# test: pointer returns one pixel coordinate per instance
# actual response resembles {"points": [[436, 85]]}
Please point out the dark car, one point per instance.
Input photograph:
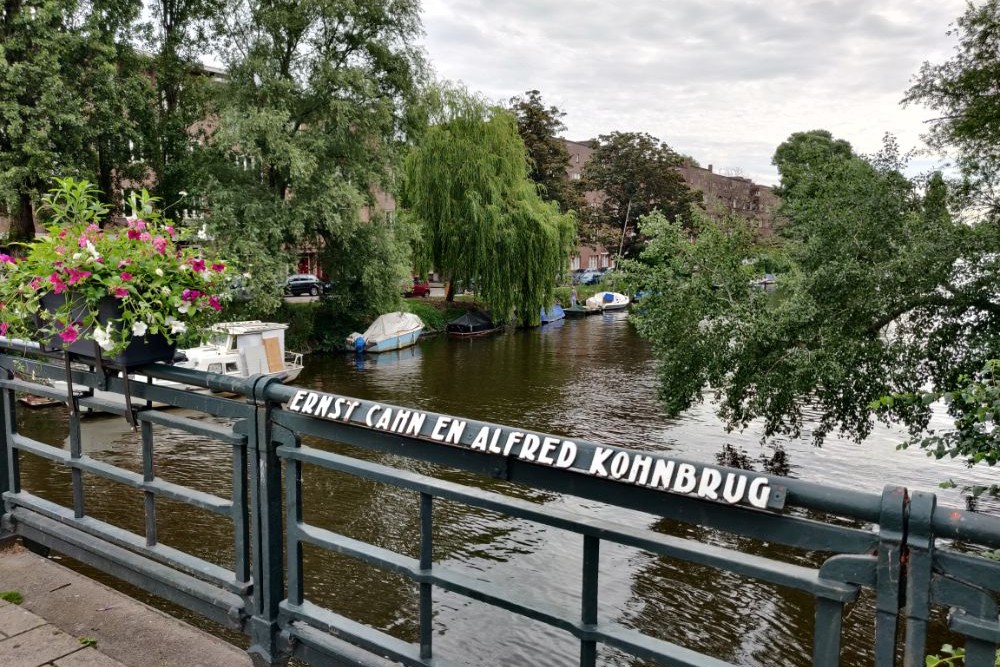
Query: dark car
{"points": [[420, 288], [305, 283], [590, 277]]}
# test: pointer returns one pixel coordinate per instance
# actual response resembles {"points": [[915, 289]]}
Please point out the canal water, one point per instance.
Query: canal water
{"points": [[592, 379]]}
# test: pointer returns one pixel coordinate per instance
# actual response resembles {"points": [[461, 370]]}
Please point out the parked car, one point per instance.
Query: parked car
{"points": [[305, 283], [420, 288], [590, 277]]}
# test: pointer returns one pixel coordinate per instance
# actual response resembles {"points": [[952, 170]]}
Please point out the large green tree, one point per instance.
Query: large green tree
{"points": [[886, 294], [71, 83], [175, 123], [467, 184], [538, 126], [317, 104], [634, 174], [963, 91]]}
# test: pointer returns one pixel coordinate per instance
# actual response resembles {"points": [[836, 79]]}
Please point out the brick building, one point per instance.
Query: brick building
{"points": [[722, 195]]}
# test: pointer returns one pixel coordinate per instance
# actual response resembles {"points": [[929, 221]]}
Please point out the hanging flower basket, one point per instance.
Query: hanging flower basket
{"points": [[140, 351], [115, 293]]}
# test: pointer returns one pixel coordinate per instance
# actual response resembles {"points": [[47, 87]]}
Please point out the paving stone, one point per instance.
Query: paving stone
{"points": [[88, 657], [37, 647], [14, 620]]}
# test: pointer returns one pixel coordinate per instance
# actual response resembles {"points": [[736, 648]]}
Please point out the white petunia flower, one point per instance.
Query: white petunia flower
{"points": [[103, 338], [159, 272], [184, 308], [178, 327], [92, 250], [165, 290], [139, 328]]}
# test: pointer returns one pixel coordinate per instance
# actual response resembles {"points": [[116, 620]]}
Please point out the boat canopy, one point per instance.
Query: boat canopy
{"points": [[392, 324], [472, 321]]}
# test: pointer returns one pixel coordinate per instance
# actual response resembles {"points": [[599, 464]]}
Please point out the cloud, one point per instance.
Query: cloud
{"points": [[724, 81]]}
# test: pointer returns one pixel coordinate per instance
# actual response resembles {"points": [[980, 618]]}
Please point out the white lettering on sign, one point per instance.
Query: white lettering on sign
{"points": [[647, 470]]}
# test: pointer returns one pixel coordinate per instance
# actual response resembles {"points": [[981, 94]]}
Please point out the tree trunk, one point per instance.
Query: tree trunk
{"points": [[22, 227]]}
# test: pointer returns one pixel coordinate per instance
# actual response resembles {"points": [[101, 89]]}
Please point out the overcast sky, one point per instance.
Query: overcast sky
{"points": [[725, 81]]}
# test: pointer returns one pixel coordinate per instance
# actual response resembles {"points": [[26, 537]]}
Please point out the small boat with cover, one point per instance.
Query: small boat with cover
{"points": [[392, 331], [608, 301], [552, 313], [473, 323]]}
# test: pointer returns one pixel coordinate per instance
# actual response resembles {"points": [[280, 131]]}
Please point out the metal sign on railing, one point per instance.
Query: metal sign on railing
{"points": [[648, 470]]}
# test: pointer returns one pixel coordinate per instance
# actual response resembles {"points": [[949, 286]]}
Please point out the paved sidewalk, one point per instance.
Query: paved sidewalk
{"points": [[27, 640], [68, 620]]}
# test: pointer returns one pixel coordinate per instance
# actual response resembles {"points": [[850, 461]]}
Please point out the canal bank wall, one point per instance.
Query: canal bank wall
{"points": [[68, 620]]}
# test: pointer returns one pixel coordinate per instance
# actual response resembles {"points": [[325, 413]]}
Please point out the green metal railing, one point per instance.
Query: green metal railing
{"points": [[898, 547]]}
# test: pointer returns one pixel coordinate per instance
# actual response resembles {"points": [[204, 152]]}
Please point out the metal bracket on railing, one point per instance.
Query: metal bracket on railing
{"points": [[889, 572], [918, 566]]}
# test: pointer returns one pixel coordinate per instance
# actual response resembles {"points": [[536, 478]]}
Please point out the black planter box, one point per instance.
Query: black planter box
{"points": [[140, 352]]}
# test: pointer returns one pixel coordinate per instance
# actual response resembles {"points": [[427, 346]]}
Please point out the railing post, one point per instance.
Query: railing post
{"points": [[889, 573], [8, 457], [267, 646], [919, 564]]}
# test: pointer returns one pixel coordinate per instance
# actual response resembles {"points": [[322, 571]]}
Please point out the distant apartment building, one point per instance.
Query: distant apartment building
{"points": [[722, 195]]}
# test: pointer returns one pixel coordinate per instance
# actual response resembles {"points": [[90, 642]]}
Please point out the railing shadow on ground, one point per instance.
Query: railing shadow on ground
{"points": [[898, 547]]}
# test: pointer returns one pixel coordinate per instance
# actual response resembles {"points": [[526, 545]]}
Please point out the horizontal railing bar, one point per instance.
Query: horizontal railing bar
{"points": [[315, 647], [665, 653], [218, 432], [775, 572], [956, 524], [976, 570], [862, 505], [42, 390], [443, 578], [161, 553], [198, 595], [160, 487], [355, 633], [775, 528]]}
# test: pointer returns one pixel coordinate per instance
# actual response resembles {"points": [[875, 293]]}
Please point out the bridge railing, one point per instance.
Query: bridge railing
{"points": [[910, 556]]}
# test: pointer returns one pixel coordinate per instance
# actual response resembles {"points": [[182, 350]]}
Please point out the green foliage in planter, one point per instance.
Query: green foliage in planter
{"points": [[154, 283]]}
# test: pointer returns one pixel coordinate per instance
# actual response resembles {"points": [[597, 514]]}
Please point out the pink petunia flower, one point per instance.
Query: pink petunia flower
{"points": [[218, 267], [160, 245], [213, 301], [3, 328], [122, 263], [120, 292], [69, 334], [126, 276], [6, 259], [198, 264], [76, 276], [134, 234], [57, 283], [190, 295], [35, 284]]}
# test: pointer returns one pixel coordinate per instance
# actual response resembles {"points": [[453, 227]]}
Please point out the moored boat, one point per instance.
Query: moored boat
{"points": [[552, 313], [608, 301], [473, 323], [392, 331]]}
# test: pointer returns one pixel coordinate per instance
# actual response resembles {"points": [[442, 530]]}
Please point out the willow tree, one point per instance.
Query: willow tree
{"points": [[466, 183]]}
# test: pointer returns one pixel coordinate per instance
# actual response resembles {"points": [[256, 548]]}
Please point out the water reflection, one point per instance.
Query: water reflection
{"points": [[589, 378]]}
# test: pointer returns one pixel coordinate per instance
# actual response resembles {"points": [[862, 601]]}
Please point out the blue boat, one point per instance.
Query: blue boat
{"points": [[392, 331], [553, 313]]}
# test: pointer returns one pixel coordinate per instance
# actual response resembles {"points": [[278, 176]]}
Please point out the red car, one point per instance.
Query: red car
{"points": [[420, 288]]}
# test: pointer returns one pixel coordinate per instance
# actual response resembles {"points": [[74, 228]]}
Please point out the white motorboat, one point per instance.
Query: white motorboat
{"points": [[608, 301], [238, 349], [243, 349]]}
